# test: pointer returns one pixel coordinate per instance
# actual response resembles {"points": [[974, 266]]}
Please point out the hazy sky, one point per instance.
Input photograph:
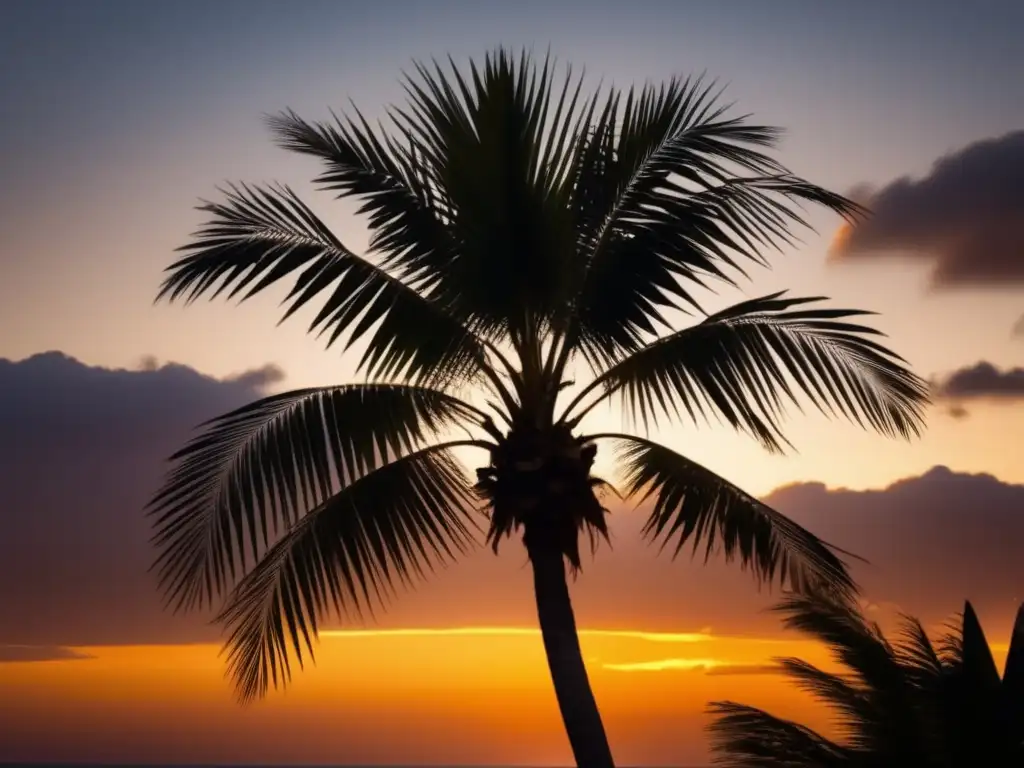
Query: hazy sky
{"points": [[118, 116]]}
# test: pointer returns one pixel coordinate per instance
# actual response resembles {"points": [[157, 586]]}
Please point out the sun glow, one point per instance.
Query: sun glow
{"points": [[393, 696]]}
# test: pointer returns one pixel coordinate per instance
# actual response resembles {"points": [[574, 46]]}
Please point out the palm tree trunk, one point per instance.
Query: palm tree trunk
{"points": [[565, 661]]}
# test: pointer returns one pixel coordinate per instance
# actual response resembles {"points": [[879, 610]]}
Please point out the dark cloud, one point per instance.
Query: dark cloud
{"points": [[966, 216], [931, 541], [259, 378], [21, 653], [981, 381], [81, 450]]}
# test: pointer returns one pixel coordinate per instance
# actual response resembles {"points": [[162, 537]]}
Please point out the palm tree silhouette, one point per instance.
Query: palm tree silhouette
{"points": [[520, 230], [907, 702]]}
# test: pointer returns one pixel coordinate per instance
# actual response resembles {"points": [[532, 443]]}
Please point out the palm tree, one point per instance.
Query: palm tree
{"points": [[520, 231], [907, 702]]}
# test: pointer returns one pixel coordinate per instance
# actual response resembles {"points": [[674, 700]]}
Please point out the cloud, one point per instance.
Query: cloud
{"points": [[957, 412], [981, 381], [259, 378], [661, 665], [81, 450], [745, 669], [966, 217], [21, 653], [707, 666], [1018, 328], [931, 541]]}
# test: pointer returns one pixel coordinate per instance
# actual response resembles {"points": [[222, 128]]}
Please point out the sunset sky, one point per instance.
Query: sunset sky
{"points": [[119, 116]]}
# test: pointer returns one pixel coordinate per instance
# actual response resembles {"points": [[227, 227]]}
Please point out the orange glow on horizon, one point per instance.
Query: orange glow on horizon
{"points": [[395, 696], [374, 690]]}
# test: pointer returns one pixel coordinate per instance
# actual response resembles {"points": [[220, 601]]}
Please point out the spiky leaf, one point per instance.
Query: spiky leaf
{"points": [[747, 362], [253, 472], [260, 236], [693, 505], [384, 530]]}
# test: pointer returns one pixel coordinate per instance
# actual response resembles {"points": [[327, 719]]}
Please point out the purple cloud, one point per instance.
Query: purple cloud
{"points": [[81, 450], [981, 381], [966, 217]]}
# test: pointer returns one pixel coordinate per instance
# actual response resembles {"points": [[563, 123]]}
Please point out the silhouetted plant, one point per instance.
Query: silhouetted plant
{"points": [[907, 702], [520, 230]]}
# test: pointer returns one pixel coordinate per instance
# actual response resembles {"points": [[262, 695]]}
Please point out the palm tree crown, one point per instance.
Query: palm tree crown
{"points": [[519, 228]]}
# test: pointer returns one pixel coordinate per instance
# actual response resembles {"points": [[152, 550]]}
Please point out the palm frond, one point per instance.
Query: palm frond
{"points": [[259, 236], [892, 720], [693, 504], [664, 197], [901, 703], [406, 212], [1013, 673], [837, 623], [385, 529], [747, 737], [742, 363], [494, 138], [868, 717], [253, 472], [917, 654], [848, 700]]}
